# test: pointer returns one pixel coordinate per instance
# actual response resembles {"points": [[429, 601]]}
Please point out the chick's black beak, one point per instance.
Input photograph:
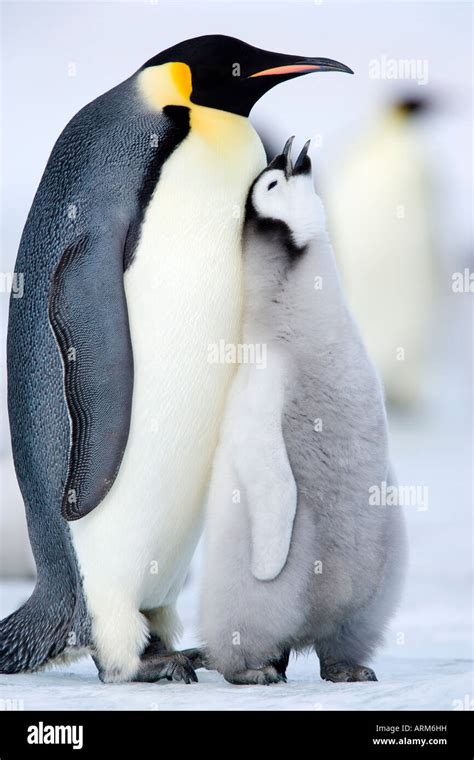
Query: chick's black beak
{"points": [[303, 162], [287, 155], [283, 160]]}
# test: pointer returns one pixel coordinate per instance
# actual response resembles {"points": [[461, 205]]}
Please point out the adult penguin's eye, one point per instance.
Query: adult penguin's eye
{"points": [[272, 184]]}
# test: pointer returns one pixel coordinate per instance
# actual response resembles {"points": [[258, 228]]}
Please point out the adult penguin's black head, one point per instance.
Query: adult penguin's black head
{"points": [[225, 73]]}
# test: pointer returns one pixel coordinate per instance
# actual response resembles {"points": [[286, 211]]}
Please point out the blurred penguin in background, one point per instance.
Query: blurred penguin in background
{"points": [[381, 211]]}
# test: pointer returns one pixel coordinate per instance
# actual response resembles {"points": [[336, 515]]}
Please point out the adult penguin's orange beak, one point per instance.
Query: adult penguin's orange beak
{"points": [[306, 66]]}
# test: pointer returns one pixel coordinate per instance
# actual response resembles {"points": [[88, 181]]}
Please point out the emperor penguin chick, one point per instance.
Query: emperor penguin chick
{"points": [[297, 555]]}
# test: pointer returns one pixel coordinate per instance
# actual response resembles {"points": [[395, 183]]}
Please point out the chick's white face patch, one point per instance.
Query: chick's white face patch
{"points": [[291, 200]]}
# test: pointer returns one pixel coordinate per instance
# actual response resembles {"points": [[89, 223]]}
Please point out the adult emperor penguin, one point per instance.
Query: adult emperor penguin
{"points": [[131, 260]]}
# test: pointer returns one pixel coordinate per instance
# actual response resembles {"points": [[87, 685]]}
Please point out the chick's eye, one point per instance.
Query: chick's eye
{"points": [[272, 184]]}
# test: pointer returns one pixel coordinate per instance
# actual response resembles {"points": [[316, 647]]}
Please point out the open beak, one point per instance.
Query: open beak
{"points": [[303, 66], [283, 160]]}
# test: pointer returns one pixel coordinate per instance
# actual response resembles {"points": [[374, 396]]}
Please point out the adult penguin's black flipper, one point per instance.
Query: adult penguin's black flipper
{"points": [[88, 315]]}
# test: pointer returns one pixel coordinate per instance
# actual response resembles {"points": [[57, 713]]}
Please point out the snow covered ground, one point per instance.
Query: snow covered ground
{"points": [[430, 671], [426, 663]]}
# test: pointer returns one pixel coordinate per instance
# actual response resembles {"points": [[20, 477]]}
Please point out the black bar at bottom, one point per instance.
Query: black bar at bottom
{"points": [[376, 734]]}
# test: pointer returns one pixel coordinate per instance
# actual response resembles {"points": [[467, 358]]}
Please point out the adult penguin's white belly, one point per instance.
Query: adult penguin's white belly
{"points": [[183, 293]]}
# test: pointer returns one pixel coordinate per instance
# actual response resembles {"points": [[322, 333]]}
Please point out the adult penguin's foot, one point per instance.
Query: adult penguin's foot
{"points": [[157, 663], [174, 666]]}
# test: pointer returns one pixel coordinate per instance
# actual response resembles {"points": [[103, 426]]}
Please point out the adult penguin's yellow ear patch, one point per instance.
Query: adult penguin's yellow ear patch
{"points": [[167, 85]]}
